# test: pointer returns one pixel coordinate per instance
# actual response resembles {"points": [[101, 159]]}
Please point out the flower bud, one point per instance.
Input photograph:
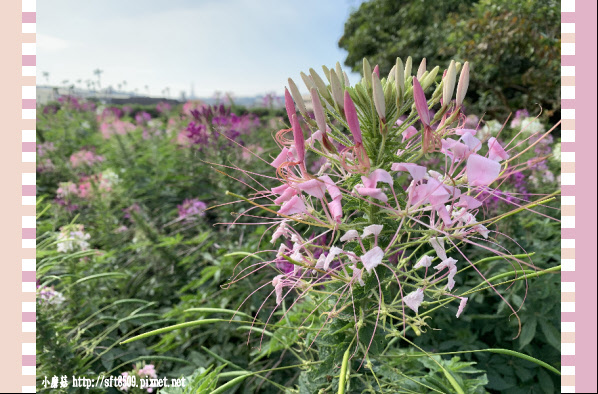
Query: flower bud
{"points": [[400, 81], [422, 69], [429, 78], [463, 84], [337, 90], [346, 78], [320, 85], [392, 74], [367, 72], [408, 65], [289, 105], [377, 71], [326, 72], [352, 119], [297, 96], [309, 83], [378, 94], [448, 83], [339, 73], [318, 110], [421, 105], [298, 138]]}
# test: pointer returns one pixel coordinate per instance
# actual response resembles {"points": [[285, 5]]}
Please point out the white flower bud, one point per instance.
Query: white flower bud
{"points": [[367, 72], [408, 65], [378, 94], [448, 84], [337, 90], [309, 83], [320, 85], [400, 81], [326, 72], [422, 69], [297, 96], [463, 84]]}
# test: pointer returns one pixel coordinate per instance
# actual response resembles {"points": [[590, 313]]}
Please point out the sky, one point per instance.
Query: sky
{"points": [[247, 47]]}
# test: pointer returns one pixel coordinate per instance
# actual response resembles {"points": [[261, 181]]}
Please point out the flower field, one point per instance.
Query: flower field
{"points": [[372, 236]]}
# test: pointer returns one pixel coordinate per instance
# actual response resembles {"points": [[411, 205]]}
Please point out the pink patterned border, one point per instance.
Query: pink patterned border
{"points": [[28, 199]]}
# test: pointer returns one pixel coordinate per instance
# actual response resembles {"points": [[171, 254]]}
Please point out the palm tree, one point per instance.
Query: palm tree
{"points": [[98, 73]]}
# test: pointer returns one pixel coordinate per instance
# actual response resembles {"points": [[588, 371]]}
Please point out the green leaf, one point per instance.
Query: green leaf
{"points": [[553, 336], [528, 332]]}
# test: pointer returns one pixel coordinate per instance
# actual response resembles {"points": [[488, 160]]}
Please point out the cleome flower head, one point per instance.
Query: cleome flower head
{"points": [[389, 221]]}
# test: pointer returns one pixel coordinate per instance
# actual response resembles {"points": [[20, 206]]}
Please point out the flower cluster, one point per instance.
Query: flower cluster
{"points": [[384, 215], [72, 238], [73, 103], [85, 158], [147, 371], [210, 122], [191, 209], [49, 296]]}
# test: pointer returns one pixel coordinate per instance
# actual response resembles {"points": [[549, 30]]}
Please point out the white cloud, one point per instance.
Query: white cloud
{"points": [[51, 44]]}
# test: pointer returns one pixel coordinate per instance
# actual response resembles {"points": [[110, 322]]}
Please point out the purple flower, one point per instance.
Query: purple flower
{"points": [[191, 207]]}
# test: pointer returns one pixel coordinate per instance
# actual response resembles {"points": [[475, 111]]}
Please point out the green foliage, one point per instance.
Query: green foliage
{"points": [[513, 46]]}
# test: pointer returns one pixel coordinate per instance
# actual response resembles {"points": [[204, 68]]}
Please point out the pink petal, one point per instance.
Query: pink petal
{"points": [[280, 189], [284, 156], [333, 190], [293, 206], [352, 119], [418, 194], [286, 195], [443, 213], [376, 176], [482, 230], [465, 131], [496, 152], [468, 202], [481, 171], [425, 261], [438, 245], [336, 210], [374, 229], [377, 70], [454, 149], [472, 142], [350, 236], [461, 306], [334, 251], [420, 102], [372, 258], [417, 172], [372, 192], [414, 299], [313, 187], [408, 132]]}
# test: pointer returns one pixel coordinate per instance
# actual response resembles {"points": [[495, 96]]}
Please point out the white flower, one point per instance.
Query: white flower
{"points": [[72, 238], [414, 299], [425, 261], [531, 126], [372, 258]]}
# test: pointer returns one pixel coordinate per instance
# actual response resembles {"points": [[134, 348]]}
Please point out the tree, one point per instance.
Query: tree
{"points": [[513, 46]]}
